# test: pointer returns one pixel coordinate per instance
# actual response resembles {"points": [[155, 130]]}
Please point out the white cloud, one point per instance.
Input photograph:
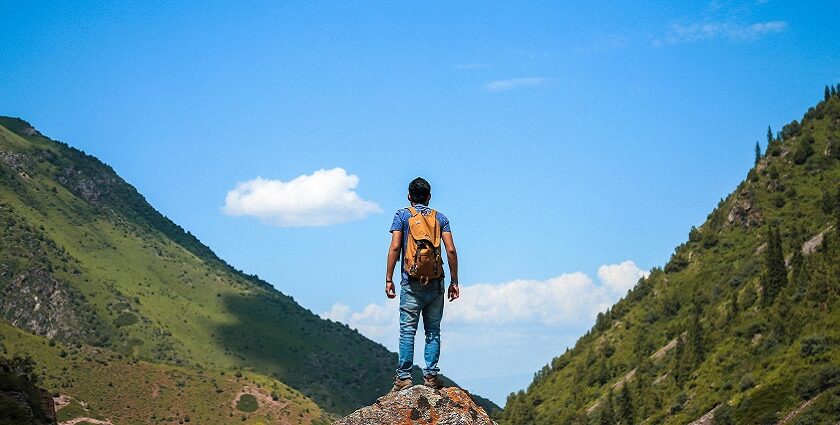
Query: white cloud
{"points": [[698, 31], [567, 298], [514, 83], [319, 199], [621, 277]]}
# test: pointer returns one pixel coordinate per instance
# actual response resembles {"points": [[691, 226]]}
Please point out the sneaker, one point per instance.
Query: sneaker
{"points": [[400, 384], [432, 381]]}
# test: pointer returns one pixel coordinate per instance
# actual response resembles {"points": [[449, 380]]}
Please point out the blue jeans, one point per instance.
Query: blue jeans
{"points": [[417, 300]]}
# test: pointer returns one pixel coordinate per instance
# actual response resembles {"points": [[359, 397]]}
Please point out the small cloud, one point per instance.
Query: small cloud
{"points": [[621, 277], [514, 83], [698, 31], [322, 198], [472, 66]]}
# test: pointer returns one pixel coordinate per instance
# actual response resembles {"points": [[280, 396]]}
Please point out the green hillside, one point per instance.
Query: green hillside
{"points": [[742, 324], [86, 262]]}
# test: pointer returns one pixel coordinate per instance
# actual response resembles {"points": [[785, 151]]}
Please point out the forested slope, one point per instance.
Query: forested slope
{"points": [[741, 325]]}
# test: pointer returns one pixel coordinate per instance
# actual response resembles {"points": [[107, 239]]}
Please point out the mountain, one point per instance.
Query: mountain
{"points": [[121, 304], [741, 326]]}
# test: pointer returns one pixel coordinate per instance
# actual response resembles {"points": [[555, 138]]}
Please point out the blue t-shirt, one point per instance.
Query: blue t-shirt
{"points": [[401, 223]]}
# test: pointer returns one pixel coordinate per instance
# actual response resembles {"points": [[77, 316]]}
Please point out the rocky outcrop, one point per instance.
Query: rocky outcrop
{"points": [[421, 405], [21, 408], [38, 302], [744, 213]]}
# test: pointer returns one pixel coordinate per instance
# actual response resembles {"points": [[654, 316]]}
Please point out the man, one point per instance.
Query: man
{"points": [[418, 296]]}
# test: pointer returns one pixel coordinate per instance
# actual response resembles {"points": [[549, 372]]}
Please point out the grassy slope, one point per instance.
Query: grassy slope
{"points": [[757, 360], [129, 391], [147, 289]]}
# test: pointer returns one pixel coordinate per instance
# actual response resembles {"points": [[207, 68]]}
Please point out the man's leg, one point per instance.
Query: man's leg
{"points": [[409, 317], [432, 315]]}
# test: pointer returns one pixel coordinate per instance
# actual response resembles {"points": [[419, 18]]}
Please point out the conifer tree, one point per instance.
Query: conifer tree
{"points": [[769, 135], [828, 92], [680, 362], [696, 343], [834, 91], [626, 413], [775, 277], [757, 152], [608, 411]]}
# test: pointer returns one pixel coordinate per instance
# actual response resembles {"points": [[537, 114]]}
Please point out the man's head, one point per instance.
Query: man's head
{"points": [[419, 191]]}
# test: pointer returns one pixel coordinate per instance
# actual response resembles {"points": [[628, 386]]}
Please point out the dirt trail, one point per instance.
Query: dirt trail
{"points": [[708, 418], [75, 421], [790, 416]]}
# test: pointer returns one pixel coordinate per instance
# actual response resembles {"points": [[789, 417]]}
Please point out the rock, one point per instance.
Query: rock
{"points": [[37, 301], [19, 407], [421, 405], [811, 245], [743, 212]]}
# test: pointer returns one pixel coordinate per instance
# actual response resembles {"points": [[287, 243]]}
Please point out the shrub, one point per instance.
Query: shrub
{"points": [[747, 382], [813, 345], [247, 403]]}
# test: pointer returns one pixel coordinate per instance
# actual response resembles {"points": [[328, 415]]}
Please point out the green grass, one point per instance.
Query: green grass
{"points": [[72, 410], [129, 391]]}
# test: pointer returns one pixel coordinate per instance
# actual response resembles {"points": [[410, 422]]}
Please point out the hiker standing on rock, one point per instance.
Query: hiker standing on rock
{"points": [[416, 233]]}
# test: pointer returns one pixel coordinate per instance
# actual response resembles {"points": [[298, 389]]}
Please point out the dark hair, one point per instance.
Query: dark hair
{"points": [[419, 190]]}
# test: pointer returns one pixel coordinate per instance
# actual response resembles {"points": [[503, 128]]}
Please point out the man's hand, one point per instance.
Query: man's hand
{"points": [[453, 292], [390, 292]]}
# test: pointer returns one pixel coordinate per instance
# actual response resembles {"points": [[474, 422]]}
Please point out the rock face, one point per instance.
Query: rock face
{"points": [[36, 301], [21, 408], [743, 212], [421, 405]]}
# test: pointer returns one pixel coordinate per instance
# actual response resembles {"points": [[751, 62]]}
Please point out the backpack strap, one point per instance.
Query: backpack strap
{"points": [[413, 211]]}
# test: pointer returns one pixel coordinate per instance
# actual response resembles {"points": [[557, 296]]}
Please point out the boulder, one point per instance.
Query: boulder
{"points": [[421, 405]]}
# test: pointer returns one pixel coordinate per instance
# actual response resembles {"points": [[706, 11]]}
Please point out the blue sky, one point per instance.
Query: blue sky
{"points": [[584, 135]]}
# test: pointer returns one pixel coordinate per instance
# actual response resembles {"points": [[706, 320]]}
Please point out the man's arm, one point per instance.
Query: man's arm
{"points": [[452, 260], [393, 256]]}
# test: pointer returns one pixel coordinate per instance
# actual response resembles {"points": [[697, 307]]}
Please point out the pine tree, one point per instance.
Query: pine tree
{"points": [[680, 362], [757, 152], [625, 406], [608, 411], [696, 343], [828, 92], [769, 135], [834, 91], [775, 277]]}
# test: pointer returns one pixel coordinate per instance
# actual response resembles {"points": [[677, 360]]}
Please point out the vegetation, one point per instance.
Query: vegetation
{"points": [[744, 320], [247, 403]]}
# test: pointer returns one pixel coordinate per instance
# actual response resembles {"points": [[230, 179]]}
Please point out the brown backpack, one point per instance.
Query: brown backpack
{"points": [[422, 252]]}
